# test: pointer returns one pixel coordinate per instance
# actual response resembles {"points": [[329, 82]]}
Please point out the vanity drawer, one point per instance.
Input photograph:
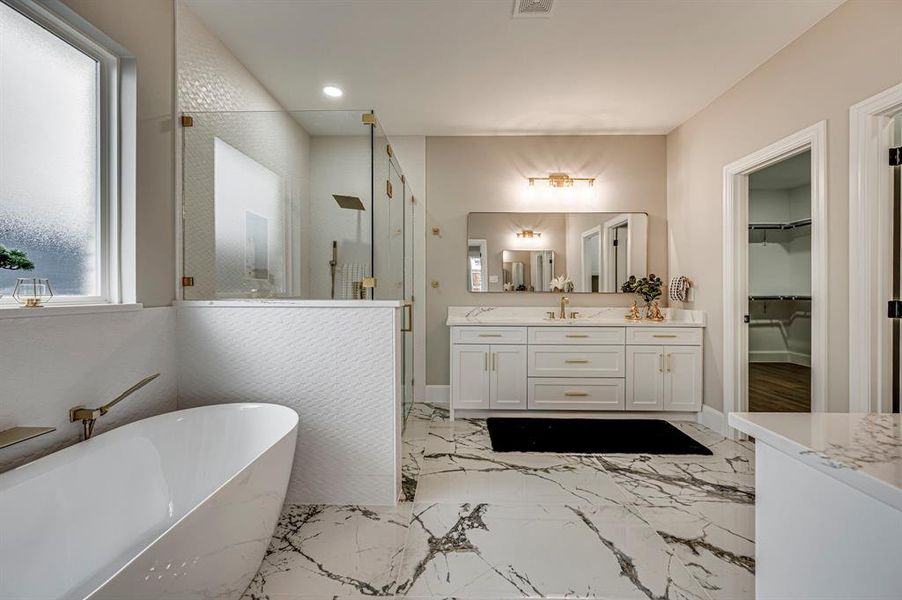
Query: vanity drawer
{"points": [[576, 361], [664, 336], [577, 335], [488, 335], [551, 393]]}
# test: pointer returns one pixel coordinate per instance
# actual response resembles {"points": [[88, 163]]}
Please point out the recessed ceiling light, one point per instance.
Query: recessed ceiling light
{"points": [[332, 91]]}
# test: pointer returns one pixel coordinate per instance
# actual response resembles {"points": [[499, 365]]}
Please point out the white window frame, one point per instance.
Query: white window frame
{"points": [[117, 149]]}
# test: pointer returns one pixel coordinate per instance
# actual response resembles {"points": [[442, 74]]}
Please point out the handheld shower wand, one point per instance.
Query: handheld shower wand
{"points": [[332, 264]]}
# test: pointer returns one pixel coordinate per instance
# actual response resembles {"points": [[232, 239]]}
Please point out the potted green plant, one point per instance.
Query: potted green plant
{"points": [[649, 289], [14, 260]]}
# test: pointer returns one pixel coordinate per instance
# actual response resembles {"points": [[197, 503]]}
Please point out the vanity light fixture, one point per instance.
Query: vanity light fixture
{"points": [[528, 233], [560, 180], [332, 91]]}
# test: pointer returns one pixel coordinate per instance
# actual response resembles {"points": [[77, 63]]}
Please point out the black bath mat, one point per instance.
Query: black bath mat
{"points": [[591, 436]]}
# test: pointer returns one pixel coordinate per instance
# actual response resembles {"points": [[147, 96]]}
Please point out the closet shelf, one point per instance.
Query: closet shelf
{"points": [[789, 225], [786, 297]]}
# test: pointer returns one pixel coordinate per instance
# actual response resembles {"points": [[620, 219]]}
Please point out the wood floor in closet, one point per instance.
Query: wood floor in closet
{"points": [[779, 387]]}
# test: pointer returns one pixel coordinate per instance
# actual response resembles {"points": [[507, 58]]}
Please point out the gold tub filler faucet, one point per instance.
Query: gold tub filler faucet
{"points": [[89, 416]]}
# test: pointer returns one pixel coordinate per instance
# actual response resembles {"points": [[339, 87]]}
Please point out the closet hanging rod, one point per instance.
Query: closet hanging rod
{"points": [[764, 298], [789, 225]]}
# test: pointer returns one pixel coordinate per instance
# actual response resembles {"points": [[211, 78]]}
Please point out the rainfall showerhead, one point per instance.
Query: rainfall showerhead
{"points": [[349, 202]]}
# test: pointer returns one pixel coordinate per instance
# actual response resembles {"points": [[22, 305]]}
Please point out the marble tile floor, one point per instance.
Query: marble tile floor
{"points": [[480, 525]]}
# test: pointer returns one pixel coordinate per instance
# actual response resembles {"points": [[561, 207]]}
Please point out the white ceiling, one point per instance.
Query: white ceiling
{"points": [[785, 175], [466, 67]]}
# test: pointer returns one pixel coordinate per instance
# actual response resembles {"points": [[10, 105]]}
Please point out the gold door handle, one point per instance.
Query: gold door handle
{"points": [[576, 335], [576, 394], [664, 335], [580, 361], [409, 315]]}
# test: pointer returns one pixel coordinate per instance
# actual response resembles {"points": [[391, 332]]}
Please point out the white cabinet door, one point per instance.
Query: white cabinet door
{"points": [[683, 378], [644, 378], [508, 377], [470, 376]]}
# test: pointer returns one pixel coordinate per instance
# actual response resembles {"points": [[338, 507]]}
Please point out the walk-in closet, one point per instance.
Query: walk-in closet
{"points": [[779, 262]]}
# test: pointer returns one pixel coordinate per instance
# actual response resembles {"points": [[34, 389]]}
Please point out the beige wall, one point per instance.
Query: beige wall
{"points": [[851, 55], [470, 174], [147, 29]]}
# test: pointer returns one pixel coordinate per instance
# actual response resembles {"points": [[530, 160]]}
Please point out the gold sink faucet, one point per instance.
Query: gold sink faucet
{"points": [[564, 302], [89, 416]]}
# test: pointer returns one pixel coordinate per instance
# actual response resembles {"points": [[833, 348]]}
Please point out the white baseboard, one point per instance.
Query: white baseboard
{"points": [[780, 356], [438, 394], [712, 419]]}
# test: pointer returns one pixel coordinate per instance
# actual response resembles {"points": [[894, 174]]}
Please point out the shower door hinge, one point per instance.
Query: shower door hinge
{"points": [[187, 281], [368, 283], [746, 319], [388, 149], [895, 156], [894, 309], [187, 121], [368, 119], [388, 191]]}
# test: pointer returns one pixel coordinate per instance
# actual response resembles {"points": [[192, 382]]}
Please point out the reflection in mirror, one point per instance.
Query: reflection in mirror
{"points": [[555, 252]]}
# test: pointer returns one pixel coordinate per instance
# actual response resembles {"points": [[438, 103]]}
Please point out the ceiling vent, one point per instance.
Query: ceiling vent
{"points": [[524, 9]]}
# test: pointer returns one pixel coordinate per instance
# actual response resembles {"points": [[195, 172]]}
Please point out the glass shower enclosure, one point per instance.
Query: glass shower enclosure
{"points": [[296, 205]]}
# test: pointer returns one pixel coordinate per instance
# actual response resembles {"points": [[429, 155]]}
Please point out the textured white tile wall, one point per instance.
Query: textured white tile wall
{"points": [[50, 363], [337, 367]]}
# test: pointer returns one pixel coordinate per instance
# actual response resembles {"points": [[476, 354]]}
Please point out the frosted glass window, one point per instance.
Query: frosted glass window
{"points": [[49, 157]]}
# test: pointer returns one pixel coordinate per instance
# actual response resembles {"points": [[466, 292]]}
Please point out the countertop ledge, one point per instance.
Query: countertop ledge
{"points": [[524, 316], [863, 450], [288, 303]]}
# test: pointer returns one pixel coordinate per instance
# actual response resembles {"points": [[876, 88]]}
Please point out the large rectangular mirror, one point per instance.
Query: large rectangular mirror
{"points": [[555, 252]]}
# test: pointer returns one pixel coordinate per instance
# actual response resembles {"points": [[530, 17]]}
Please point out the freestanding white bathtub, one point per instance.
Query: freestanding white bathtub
{"points": [[181, 505]]}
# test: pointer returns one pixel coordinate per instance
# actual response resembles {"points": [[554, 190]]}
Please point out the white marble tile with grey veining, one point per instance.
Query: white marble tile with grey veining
{"points": [[326, 551], [484, 550], [715, 542]]}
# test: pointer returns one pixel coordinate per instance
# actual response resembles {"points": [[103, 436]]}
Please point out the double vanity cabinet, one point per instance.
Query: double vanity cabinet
{"points": [[521, 359]]}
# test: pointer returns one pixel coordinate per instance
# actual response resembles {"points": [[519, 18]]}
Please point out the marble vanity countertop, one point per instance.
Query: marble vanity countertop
{"points": [[588, 317], [863, 450]]}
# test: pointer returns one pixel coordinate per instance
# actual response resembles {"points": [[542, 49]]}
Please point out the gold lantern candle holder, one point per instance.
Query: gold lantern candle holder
{"points": [[32, 292]]}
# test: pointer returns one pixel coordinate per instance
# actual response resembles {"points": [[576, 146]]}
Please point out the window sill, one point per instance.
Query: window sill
{"points": [[63, 310]]}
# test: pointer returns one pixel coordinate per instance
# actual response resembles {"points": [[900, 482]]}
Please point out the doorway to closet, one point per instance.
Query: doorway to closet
{"points": [[775, 277], [779, 285]]}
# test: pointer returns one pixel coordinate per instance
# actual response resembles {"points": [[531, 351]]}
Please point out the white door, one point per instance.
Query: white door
{"points": [[683, 378], [644, 378], [470, 376], [508, 377]]}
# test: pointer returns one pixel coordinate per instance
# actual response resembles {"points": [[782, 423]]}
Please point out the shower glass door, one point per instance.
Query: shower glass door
{"points": [[408, 298]]}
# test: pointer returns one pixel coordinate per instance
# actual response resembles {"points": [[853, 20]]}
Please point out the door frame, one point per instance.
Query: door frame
{"points": [[483, 261], [735, 265], [870, 251], [586, 274]]}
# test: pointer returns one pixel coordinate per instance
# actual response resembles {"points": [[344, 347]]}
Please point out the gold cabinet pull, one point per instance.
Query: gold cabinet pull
{"points": [[489, 335], [485, 362], [576, 393], [576, 361], [667, 357], [494, 361], [576, 335], [660, 363], [664, 335]]}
